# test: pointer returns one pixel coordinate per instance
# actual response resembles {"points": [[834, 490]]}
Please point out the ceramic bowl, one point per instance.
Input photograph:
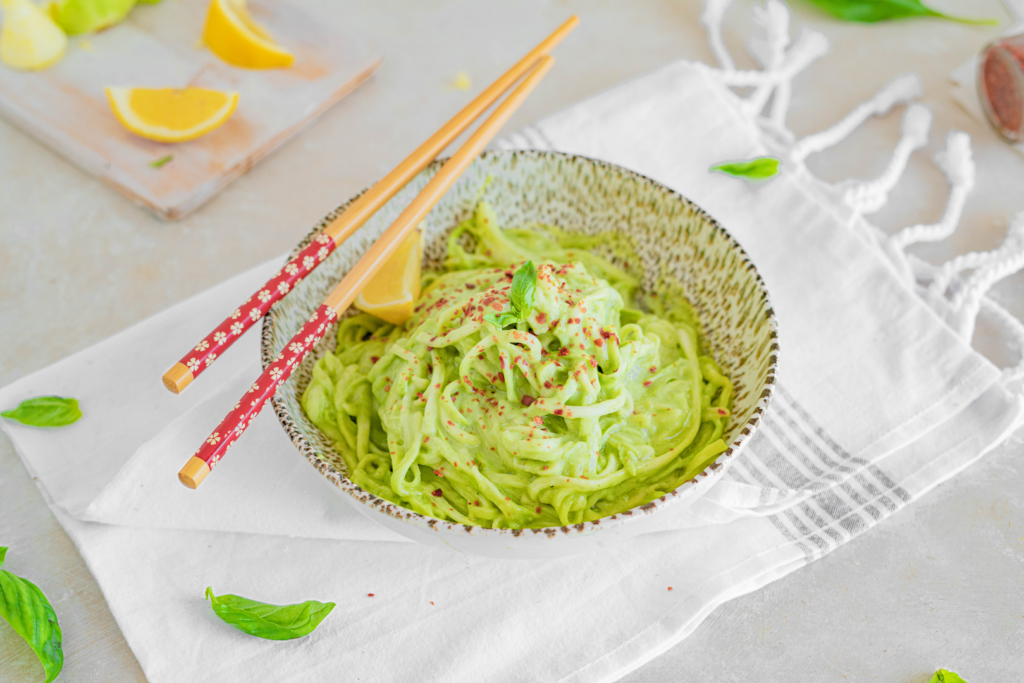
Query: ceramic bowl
{"points": [[675, 243]]}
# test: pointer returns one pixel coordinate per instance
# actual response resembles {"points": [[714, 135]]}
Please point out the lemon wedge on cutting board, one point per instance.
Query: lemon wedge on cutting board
{"points": [[171, 114], [393, 291], [30, 39], [234, 36]]}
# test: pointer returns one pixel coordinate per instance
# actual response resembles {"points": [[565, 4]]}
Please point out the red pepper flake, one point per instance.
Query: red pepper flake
{"points": [[558, 411], [647, 383], [547, 384], [654, 369], [456, 463], [564, 351], [438, 473], [431, 602], [437, 493], [544, 468], [541, 317], [374, 359], [538, 420], [476, 502], [670, 587], [723, 412], [370, 595], [426, 439], [469, 285], [528, 400], [538, 510], [599, 342]]}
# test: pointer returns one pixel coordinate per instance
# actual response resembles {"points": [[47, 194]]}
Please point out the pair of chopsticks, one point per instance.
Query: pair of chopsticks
{"points": [[224, 335], [534, 66]]}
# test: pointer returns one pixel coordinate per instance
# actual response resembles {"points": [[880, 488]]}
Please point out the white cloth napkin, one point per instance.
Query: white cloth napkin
{"points": [[880, 402]]}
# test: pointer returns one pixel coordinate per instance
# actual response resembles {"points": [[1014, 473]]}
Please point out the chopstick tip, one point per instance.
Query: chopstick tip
{"points": [[177, 378], [193, 473]]}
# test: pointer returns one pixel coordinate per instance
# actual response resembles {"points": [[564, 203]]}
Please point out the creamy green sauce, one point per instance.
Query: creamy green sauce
{"points": [[588, 407]]}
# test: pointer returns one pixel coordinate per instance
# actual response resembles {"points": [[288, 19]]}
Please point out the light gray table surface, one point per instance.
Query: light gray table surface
{"points": [[939, 584]]}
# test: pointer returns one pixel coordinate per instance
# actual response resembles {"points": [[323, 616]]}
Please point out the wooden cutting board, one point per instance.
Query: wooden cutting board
{"points": [[159, 46]]}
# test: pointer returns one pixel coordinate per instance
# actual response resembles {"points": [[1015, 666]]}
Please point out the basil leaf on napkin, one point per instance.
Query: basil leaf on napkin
{"points": [[45, 411], [26, 609], [273, 622], [882, 10], [524, 287], [944, 676], [761, 168]]}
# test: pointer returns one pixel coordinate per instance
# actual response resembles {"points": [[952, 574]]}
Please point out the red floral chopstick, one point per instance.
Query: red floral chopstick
{"points": [[256, 306]]}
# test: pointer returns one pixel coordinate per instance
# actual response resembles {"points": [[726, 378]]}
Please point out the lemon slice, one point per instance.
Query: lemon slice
{"points": [[393, 291], [170, 114], [30, 39], [235, 37]]}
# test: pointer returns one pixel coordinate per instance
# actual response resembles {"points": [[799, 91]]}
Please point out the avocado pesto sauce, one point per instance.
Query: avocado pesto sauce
{"points": [[584, 407]]}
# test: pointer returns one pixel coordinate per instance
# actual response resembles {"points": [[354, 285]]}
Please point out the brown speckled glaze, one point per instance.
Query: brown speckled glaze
{"points": [[677, 246]]}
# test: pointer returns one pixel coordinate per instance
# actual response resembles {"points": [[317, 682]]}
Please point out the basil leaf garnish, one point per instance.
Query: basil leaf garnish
{"points": [[273, 622], [520, 297], [883, 10], [524, 286], [26, 609], [755, 169], [45, 411]]}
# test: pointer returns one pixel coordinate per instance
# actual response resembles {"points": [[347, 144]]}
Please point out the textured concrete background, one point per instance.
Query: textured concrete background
{"points": [[939, 584]]}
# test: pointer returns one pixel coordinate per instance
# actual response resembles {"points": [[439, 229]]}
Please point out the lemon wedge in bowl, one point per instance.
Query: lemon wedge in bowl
{"points": [[171, 114], [393, 291], [234, 36], [30, 39]]}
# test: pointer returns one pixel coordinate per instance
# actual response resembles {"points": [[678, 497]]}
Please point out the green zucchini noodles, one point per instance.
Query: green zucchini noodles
{"points": [[601, 400]]}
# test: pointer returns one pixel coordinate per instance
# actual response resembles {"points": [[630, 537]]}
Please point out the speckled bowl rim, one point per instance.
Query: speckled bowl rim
{"points": [[704, 477]]}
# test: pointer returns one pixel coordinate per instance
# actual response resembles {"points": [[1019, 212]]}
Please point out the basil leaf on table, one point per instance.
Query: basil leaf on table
{"points": [[761, 168], [870, 11], [273, 622], [944, 676], [45, 411], [26, 609]]}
